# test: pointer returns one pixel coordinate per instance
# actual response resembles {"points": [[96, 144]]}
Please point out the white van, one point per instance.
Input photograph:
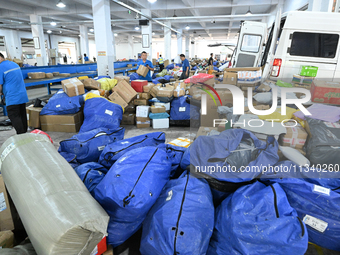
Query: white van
{"points": [[301, 38]]}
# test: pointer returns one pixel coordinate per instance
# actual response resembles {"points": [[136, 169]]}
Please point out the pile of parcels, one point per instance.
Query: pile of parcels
{"points": [[143, 103], [43, 75]]}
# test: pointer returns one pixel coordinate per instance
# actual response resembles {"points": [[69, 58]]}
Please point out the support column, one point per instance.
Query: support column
{"points": [[103, 36], [320, 5], [147, 30], [130, 47], [84, 42], [13, 44], [167, 41], [187, 46], [38, 32], [179, 42], [114, 46]]}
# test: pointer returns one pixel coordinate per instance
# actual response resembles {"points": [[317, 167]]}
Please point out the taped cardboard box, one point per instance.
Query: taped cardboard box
{"points": [[129, 119], [6, 220], [117, 99], [158, 109], [203, 131], [143, 95], [247, 75], [48, 75], [153, 91], [179, 89], [148, 87], [141, 102], [295, 137], [69, 123], [36, 75], [230, 78], [73, 87], [125, 78], [142, 111], [125, 91], [64, 74], [55, 73], [166, 91], [90, 84], [129, 65], [142, 70], [6, 239], [33, 116], [142, 122], [326, 92]]}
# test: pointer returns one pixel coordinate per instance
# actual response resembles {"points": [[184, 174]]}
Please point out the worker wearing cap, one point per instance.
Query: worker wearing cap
{"points": [[161, 63], [148, 64], [12, 87], [185, 67]]}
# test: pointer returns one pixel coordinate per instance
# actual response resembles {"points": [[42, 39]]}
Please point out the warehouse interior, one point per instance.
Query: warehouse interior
{"points": [[158, 127]]}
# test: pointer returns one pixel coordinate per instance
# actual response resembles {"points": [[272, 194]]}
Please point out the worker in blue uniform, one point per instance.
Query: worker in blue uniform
{"points": [[13, 89], [185, 67], [148, 64], [86, 58]]}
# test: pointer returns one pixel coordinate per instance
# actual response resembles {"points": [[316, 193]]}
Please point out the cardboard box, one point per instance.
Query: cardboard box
{"points": [[179, 89], [6, 220], [33, 116], [117, 99], [143, 95], [64, 74], [131, 108], [129, 65], [153, 91], [160, 123], [295, 137], [166, 105], [142, 119], [310, 71], [263, 88], [69, 123], [73, 87], [18, 62], [141, 102], [158, 109], [148, 87], [55, 73], [247, 75], [6, 239], [142, 70], [91, 84], [230, 78], [128, 119], [166, 91], [303, 80], [36, 75], [125, 91], [325, 92], [142, 111], [181, 142], [154, 62], [166, 63], [203, 131], [142, 122], [227, 100], [48, 75], [125, 78]]}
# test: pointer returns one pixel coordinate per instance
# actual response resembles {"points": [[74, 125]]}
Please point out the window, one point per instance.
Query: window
{"points": [[314, 45], [251, 43]]}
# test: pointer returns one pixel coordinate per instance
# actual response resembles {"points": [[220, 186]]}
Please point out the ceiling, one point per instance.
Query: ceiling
{"points": [[217, 19]]}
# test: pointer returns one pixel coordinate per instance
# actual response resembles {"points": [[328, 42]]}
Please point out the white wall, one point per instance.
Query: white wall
{"points": [[122, 50]]}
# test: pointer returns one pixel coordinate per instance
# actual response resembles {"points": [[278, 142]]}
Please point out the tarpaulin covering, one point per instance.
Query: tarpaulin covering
{"points": [[257, 219], [181, 110], [100, 112], [60, 103], [91, 174], [130, 188], [58, 213], [89, 145], [318, 207], [114, 151], [182, 219]]}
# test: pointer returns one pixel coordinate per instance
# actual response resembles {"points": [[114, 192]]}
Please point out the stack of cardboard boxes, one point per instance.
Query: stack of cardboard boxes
{"points": [[122, 94], [305, 78], [142, 116]]}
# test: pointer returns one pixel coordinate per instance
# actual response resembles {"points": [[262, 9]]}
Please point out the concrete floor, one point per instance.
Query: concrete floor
{"points": [[130, 131]]}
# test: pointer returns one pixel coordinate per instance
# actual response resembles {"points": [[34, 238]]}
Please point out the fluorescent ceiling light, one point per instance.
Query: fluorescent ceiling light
{"points": [[136, 28], [53, 23], [79, 35], [49, 31], [60, 4], [60, 32], [153, 33], [115, 34], [152, 1], [91, 30], [187, 27]]}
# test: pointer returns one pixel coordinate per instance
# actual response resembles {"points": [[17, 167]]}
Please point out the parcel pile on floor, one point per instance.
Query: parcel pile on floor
{"points": [[233, 190]]}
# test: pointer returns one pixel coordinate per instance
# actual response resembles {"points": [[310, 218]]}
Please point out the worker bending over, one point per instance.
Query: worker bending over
{"points": [[148, 64]]}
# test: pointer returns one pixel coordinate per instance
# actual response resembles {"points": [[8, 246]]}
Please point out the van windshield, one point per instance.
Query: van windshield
{"points": [[314, 45], [251, 43]]}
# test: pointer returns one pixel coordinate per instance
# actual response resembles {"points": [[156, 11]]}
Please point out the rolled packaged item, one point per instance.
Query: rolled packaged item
{"points": [[59, 214]]}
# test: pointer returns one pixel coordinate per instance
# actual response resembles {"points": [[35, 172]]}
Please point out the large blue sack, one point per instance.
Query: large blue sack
{"points": [[113, 152], [319, 208], [182, 219], [130, 188], [257, 219], [60, 103], [175, 154], [91, 174], [89, 145], [181, 110], [170, 67], [134, 76], [234, 156], [100, 112], [71, 158]]}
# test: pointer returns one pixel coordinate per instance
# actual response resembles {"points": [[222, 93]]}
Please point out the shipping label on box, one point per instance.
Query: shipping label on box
{"points": [[325, 92], [117, 99], [6, 220], [142, 70]]}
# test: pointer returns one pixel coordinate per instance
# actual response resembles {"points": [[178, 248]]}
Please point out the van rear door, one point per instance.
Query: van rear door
{"points": [[250, 44]]}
